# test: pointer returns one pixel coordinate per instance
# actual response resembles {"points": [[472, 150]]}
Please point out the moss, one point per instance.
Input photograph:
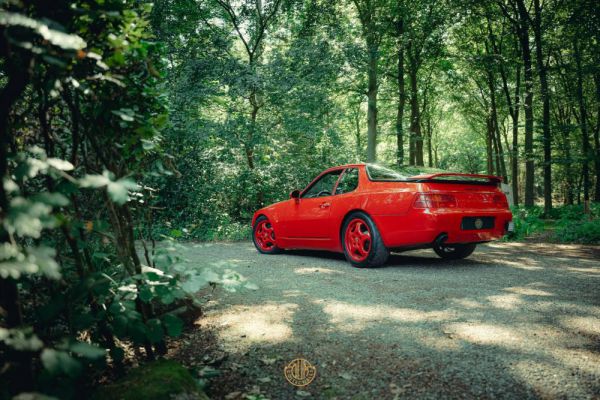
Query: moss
{"points": [[157, 380]]}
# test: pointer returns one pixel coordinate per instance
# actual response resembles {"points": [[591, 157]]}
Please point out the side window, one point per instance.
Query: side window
{"points": [[324, 186], [348, 182]]}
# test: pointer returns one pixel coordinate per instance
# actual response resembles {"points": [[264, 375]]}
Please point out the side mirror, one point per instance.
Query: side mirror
{"points": [[295, 195]]}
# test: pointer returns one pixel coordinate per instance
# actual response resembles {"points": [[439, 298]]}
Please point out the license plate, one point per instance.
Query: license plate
{"points": [[476, 223]]}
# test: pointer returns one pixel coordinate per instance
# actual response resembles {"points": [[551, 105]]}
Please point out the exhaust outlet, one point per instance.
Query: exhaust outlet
{"points": [[439, 241]]}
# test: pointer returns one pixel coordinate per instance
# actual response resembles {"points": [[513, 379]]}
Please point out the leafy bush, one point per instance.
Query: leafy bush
{"points": [[154, 381], [578, 231], [574, 226], [527, 221], [76, 181]]}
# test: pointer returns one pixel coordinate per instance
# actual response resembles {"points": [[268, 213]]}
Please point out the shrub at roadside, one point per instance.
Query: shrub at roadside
{"points": [[576, 227]]}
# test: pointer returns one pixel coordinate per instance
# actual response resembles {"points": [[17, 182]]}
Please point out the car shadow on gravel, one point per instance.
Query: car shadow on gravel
{"points": [[396, 259], [502, 324]]}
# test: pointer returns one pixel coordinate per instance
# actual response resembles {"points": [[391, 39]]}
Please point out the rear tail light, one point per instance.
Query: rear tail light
{"points": [[434, 200], [500, 200]]}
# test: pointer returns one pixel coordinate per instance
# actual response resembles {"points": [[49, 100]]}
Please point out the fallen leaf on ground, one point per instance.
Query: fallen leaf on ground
{"points": [[268, 361], [345, 375]]}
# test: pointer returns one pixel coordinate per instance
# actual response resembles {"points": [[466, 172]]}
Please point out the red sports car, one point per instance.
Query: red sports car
{"points": [[366, 210]]}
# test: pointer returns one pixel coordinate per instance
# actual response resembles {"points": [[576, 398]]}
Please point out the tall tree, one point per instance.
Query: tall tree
{"points": [[583, 120], [517, 13], [251, 23], [423, 27], [505, 61], [399, 25], [542, 69], [371, 15]]}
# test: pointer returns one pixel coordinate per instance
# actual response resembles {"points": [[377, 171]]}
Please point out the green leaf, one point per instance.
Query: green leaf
{"points": [[173, 325], [57, 362], [119, 190], [59, 164], [21, 339], [52, 199], [14, 263], [95, 181], [27, 218], [145, 293], [126, 115], [87, 350], [176, 233], [55, 37], [155, 331]]}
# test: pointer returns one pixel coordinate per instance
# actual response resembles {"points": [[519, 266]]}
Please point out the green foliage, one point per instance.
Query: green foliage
{"points": [[527, 221], [573, 231], [154, 381], [83, 150], [568, 224], [574, 226]]}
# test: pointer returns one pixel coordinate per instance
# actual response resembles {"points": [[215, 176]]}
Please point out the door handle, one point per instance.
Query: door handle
{"points": [[325, 205]]}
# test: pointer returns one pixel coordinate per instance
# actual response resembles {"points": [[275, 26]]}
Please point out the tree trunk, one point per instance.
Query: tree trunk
{"points": [[523, 32], [500, 165], [416, 139], [359, 150], [515, 140], [585, 172], [513, 109], [597, 138], [547, 138], [18, 77], [495, 152], [20, 372], [372, 98], [429, 145], [401, 96], [488, 141]]}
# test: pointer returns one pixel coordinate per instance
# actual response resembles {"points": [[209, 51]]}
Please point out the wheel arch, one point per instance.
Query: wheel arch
{"points": [[345, 218], [257, 216]]}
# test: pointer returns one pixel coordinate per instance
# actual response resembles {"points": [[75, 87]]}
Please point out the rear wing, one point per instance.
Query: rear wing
{"points": [[458, 178]]}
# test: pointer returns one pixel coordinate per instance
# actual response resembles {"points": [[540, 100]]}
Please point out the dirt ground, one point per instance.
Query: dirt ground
{"points": [[515, 320]]}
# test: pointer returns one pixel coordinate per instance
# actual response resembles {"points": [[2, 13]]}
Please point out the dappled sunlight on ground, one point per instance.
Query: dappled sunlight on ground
{"points": [[511, 319], [268, 323], [486, 334], [590, 270], [587, 324], [527, 291], [305, 271], [352, 317], [506, 301], [527, 264]]}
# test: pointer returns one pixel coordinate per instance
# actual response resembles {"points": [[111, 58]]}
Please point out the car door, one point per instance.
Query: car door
{"points": [[308, 221]]}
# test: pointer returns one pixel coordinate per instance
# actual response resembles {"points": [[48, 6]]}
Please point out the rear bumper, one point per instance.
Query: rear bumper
{"points": [[420, 227]]}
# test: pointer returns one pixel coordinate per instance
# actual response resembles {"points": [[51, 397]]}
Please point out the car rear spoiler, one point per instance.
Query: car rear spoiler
{"points": [[470, 179]]}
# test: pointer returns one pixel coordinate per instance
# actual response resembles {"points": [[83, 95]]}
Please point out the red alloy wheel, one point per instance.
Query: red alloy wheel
{"points": [[264, 234], [358, 240]]}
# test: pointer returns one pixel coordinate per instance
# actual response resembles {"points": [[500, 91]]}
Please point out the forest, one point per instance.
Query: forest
{"points": [[125, 125]]}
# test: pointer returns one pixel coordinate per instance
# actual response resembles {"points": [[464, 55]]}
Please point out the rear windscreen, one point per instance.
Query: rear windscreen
{"points": [[379, 173]]}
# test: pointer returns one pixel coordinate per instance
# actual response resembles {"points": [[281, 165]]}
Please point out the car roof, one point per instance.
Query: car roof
{"points": [[346, 166]]}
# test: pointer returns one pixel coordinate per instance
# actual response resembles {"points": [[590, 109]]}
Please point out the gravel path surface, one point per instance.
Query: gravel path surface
{"points": [[515, 320]]}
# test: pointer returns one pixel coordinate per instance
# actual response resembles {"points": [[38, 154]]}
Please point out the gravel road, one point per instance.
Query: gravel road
{"points": [[515, 320]]}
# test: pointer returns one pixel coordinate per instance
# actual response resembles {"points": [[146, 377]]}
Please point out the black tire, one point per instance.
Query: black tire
{"points": [[454, 251], [378, 253], [274, 249]]}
